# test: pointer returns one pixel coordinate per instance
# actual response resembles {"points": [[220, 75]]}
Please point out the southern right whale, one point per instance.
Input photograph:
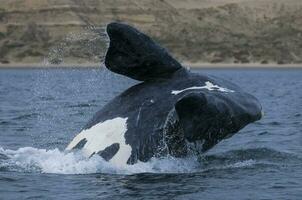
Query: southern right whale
{"points": [[169, 112]]}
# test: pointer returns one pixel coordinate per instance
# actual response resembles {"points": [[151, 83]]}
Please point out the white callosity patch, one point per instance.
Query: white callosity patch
{"points": [[209, 86], [103, 135]]}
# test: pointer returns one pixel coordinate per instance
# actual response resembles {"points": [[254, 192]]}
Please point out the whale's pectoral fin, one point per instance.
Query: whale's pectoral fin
{"points": [[211, 118], [134, 54]]}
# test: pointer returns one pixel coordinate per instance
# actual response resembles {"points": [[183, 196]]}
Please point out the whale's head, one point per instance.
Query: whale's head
{"points": [[136, 55], [212, 117]]}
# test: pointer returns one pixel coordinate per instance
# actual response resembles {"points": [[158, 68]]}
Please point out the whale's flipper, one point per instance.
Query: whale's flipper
{"points": [[134, 54], [213, 117]]}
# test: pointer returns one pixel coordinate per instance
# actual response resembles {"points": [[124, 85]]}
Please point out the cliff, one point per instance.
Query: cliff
{"points": [[210, 31]]}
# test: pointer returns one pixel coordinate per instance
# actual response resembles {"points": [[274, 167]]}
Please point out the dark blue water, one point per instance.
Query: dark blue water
{"points": [[41, 110]]}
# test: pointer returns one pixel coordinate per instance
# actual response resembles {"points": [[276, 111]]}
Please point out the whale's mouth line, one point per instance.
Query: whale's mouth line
{"points": [[208, 85]]}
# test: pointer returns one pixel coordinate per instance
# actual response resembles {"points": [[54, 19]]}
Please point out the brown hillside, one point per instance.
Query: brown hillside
{"points": [[216, 31]]}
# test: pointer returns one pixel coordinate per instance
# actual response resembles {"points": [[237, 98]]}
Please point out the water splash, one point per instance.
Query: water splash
{"points": [[34, 160], [87, 46], [29, 159]]}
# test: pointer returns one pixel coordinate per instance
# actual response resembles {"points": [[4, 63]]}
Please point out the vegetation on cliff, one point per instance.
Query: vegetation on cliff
{"points": [[216, 31]]}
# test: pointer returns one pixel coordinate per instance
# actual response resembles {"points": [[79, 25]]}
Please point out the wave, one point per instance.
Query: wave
{"points": [[82, 105], [26, 116], [258, 158], [29, 159], [7, 123], [253, 154], [33, 160]]}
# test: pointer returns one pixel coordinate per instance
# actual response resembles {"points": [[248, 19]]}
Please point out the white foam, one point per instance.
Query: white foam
{"points": [[239, 164], [242, 164], [208, 85], [29, 159], [103, 135]]}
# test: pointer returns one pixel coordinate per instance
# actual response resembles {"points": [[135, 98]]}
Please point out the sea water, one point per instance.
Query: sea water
{"points": [[41, 110]]}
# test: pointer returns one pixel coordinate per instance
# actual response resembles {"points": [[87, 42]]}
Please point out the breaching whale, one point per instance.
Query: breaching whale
{"points": [[172, 111]]}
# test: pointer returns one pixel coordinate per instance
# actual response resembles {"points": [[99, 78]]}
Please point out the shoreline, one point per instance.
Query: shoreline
{"points": [[186, 64]]}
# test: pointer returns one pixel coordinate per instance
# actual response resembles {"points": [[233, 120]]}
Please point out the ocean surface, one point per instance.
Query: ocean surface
{"points": [[41, 110]]}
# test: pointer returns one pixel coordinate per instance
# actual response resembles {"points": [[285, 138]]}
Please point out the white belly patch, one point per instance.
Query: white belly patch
{"points": [[102, 135], [209, 86]]}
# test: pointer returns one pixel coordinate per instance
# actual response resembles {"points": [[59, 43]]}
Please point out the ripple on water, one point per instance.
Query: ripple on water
{"points": [[25, 116], [266, 167]]}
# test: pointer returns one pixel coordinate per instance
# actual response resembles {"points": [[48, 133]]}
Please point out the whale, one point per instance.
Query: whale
{"points": [[170, 112]]}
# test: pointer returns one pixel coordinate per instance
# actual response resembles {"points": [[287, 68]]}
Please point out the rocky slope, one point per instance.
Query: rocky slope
{"points": [[210, 31]]}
